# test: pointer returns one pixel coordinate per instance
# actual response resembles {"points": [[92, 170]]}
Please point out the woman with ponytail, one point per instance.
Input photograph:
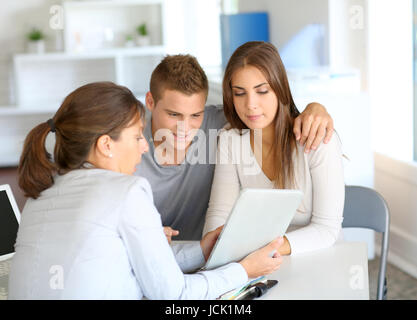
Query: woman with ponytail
{"points": [[89, 229]]}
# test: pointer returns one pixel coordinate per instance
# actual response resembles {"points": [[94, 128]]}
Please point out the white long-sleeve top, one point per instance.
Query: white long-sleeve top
{"points": [[95, 234], [318, 174]]}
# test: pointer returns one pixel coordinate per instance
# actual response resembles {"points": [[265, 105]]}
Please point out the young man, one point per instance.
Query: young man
{"points": [[179, 126]]}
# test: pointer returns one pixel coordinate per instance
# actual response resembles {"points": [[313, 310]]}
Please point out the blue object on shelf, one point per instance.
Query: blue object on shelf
{"points": [[236, 29]]}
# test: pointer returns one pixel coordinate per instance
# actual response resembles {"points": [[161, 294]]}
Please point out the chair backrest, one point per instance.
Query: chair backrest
{"points": [[365, 208]]}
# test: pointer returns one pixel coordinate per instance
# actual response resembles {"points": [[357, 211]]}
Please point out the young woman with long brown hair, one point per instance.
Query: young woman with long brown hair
{"points": [[89, 229], [257, 99]]}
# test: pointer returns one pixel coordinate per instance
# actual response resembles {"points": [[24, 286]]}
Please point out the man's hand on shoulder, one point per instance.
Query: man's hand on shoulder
{"points": [[312, 126]]}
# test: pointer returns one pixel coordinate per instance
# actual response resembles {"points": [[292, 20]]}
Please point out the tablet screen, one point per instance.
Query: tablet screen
{"points": [[8, 225]]}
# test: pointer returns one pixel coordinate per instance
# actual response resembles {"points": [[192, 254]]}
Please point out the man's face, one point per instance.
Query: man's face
{"points": [[176, 116]]}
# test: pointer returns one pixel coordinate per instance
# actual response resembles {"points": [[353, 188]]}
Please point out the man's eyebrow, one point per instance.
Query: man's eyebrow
{"points": [[171, 111]]}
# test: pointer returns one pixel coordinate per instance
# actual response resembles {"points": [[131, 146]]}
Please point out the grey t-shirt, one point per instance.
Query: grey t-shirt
{"points": [[181, 193]]}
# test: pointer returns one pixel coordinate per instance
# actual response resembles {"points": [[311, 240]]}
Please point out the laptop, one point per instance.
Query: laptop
{"points": [[258, 217], [9, 222]]}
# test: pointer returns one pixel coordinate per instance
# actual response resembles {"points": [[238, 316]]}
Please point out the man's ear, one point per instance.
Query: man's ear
{"points": [[150, 102], [104, 146]]}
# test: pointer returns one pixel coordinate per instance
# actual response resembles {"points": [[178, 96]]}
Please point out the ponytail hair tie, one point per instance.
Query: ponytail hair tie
{"points": [[51, 124]]}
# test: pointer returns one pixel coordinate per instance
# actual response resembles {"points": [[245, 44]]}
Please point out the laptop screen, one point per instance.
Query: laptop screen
{"points": [[8, 225]]}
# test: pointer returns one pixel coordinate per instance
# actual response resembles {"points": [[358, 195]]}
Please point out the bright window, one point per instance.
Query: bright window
{"points": [[391, 77], [415, 76]]}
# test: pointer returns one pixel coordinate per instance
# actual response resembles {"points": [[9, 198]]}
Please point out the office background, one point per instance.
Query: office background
{"points": [[354, 56]]}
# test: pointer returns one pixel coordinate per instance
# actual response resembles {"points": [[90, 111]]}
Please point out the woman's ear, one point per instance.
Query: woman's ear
{"points": [[150, 102], [104, 146]]}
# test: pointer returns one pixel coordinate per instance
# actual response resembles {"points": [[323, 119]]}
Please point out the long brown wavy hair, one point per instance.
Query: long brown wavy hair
{"points": [[265, 57]]}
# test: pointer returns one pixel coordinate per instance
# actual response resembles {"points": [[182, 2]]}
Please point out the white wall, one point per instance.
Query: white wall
{"points": [[397, 182], [348, 36], [193, 26]]}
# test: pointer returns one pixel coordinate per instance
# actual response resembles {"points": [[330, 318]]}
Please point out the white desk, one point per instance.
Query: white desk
{"points": [[338, 272]]}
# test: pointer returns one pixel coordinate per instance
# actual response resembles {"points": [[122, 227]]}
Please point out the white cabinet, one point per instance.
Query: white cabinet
{"points": [[92, 25], [94, 40], [15, 124], [42, 81]]}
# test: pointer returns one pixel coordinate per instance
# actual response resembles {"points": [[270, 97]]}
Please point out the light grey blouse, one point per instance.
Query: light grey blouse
{"points": [[95, 234]]}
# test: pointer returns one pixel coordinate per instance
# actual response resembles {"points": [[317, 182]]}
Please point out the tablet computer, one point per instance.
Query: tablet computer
{"points": [[9, 222], [258, 217]]}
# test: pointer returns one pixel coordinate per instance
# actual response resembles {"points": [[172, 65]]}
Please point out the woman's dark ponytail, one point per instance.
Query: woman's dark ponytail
{"points": [[36, 169]]}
